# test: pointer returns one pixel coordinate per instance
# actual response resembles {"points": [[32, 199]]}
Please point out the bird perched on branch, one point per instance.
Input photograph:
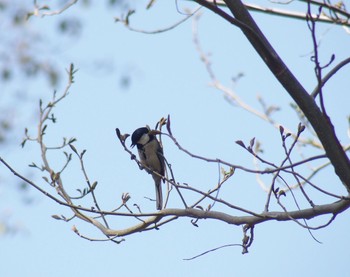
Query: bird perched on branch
{"points": [[151, 157]]}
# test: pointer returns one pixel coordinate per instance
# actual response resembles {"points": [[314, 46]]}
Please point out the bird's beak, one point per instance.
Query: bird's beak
{"points": [[132, 145]]}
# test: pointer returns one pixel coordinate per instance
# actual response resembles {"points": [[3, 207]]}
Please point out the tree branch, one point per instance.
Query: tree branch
{"points": [[329, 75], [321, 124], [297, 15]]}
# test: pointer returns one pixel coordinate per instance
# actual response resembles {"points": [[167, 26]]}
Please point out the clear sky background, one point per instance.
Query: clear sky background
{"points": [[166, 76]]}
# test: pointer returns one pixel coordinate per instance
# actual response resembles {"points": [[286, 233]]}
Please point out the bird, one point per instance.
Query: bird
{"points": [[151, 157]]}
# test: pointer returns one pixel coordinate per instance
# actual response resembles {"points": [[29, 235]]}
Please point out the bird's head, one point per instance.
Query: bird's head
{"points": [[140, 136]]}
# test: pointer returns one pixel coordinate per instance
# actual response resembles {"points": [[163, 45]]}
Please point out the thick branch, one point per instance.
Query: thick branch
{"points": [[321, 123], [333, 208]]}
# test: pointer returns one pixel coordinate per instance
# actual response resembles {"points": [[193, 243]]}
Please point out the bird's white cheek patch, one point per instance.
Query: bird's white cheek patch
{"points": [[144, 139]]}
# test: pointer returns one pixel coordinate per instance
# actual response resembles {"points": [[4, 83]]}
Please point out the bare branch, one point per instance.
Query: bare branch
{"points": [[298, 15], [330, 74], [38, 10], [126, 21], [317, 210], [91, 186], [212, 250]]}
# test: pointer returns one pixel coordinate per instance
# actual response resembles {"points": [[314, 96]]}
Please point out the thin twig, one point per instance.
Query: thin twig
{"points": [[212, 250], [329, 75], [38, 10]]}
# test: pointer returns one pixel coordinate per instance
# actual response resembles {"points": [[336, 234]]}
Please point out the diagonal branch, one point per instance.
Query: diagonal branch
{"points": [[321, 123]]}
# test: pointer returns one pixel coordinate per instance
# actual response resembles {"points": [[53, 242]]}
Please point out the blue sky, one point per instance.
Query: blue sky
{"points": [[167, 77]]}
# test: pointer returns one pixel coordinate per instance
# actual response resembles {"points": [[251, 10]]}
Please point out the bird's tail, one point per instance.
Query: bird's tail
{"points": [[159, 195]]}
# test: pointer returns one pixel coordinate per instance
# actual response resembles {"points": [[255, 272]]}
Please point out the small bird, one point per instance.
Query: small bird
{"points": [[151, 156]]}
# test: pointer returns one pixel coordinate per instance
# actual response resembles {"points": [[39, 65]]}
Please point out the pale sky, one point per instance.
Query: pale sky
{"points": [[167, 77]]}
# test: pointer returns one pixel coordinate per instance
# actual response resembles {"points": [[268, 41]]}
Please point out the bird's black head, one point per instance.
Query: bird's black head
{"points": [[137, 134]]}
